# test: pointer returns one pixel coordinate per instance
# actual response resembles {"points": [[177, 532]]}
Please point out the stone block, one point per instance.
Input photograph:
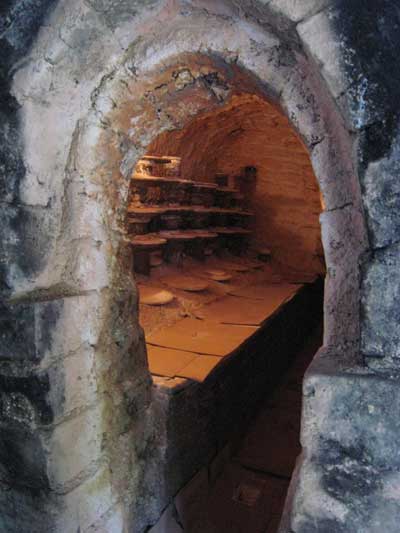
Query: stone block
{"points": [[324, 44], [26, 330], [349, 468], [45, 331], [381, 196], [373, 89], [23, 457], [380, 293], [351, 410], [219, 462], [167, 523], [88, 503], [88, 265], [17, 332], [73, 382], [297, 10], [301, 106], [12, 169], [25, 510], [26, 235], [72, 322], [75, 449], [343, 236], [333, 165], [191, 500], [113, 521]]}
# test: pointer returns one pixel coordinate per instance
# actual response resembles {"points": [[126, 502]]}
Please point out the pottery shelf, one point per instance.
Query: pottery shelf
{"points": [[147, 189], [170, 217], [161, 209]]}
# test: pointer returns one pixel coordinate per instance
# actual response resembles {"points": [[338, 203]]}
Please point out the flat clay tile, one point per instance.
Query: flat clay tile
{"points": [[244, 311], [199, 368], [277, 292], [167, 362], [200, 336], [186, 283]]}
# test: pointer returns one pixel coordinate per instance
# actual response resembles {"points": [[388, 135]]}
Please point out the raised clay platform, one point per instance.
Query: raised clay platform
{"points": [[193, 347], [206, 399]]}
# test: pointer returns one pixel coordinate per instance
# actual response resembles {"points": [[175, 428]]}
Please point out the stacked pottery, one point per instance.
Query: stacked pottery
{"points": [[171, 220], [139, 223], [203, 194], [199, 219], [221, 180], [173, 167]]}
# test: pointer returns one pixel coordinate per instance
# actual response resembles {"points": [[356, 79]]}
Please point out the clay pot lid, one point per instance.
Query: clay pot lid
{"points": [[147, 241], [186, 283], [154, 296], [218, 275]]}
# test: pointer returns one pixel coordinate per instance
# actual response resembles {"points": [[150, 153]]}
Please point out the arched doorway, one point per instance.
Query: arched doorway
{"points": [[105, 131], [218, 348]]}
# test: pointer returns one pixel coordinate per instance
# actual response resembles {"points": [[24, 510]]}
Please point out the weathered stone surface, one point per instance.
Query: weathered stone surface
{"points": [[76, 450], [381, 195], [321, 40], [343, 237], [350, 465], [380, 313], [25, 237], [354, 64], [74, 383], [297, 10], [26, 330], [73, 76], [92, 500], [22, 456], [25, 510], [167, 522]]}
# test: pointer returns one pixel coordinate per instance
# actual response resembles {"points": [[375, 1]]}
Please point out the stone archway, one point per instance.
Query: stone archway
{"points": [[94, 349]]}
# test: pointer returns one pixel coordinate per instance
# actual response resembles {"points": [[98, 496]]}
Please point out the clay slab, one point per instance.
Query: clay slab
{"points": [[167, 362], [200, 336], [272, 293], [244, 311], [199, 368]]}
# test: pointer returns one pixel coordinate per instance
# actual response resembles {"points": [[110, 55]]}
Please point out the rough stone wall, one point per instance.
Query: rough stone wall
{"points": [[248, 131], [82, 97]]}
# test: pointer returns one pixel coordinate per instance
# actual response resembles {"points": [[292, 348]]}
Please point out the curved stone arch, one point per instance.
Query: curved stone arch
{"points": [[87, 265]]}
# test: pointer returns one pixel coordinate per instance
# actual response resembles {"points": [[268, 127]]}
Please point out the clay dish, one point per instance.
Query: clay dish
{"points": [[147, 241], [155, 296], [218, 275]]}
